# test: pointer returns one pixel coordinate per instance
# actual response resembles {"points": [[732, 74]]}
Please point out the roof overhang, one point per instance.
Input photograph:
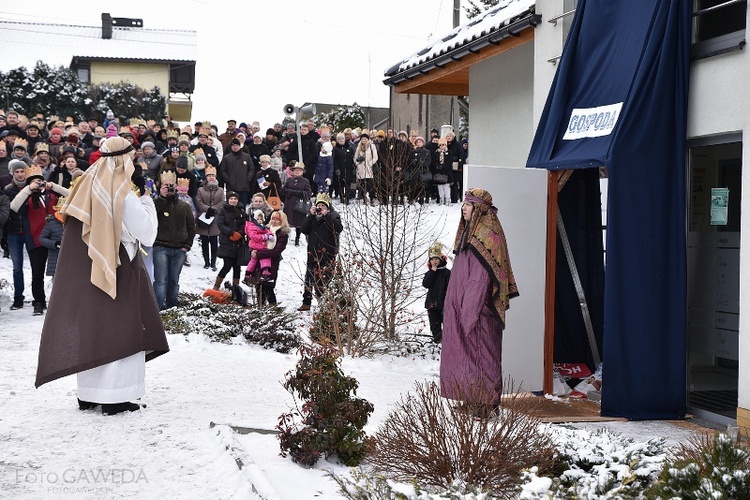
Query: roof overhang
{"points": [[448, 74], [78, 59]]}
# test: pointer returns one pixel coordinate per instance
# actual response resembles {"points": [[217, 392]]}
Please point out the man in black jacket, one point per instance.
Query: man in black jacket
{"points": [[173, 241], [322, 227]]}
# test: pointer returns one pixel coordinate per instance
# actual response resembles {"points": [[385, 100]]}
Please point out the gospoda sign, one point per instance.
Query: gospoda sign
{"points": [[592, 122]]}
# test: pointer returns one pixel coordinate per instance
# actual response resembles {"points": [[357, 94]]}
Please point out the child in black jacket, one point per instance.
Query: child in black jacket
{"points": [[436, 281]]}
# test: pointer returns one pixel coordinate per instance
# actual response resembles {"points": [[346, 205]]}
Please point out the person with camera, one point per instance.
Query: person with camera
{"points": [[174, 238], [322, 227], [30, 205]]}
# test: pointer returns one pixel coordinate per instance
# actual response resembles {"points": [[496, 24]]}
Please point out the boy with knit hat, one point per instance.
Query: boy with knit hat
{"points": [[436, 282]]}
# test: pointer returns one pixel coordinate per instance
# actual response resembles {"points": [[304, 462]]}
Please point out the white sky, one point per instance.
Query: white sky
{"points": [[256, 56]]}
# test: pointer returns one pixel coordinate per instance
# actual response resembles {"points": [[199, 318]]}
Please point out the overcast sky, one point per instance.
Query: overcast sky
{"points": [[256, 56]]}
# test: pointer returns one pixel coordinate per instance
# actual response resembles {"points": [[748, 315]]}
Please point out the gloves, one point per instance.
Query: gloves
{"points": [[236, 236], [210, 212], [140, 183], [328, 182], [271, 237]]}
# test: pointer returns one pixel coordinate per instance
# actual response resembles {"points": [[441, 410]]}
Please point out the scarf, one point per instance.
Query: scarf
{"points": [[484, 235], [96, 200]]}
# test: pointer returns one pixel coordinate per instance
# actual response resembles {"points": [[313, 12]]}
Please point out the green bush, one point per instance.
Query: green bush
{"points": [[270, 327], [331, 420], [708, 467]]}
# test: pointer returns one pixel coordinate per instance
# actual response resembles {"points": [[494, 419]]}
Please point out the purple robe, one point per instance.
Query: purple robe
{"points": [[471, 359]]}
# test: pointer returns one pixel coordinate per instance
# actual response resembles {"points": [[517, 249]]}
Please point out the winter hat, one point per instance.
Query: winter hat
{"points": [[324, 199], [435, 250], [235, 141], [363, 135], [326, 149], [419, 138], [380, 134], [264, 158], [258, 135], [270, 131], [182, 162], [232, 194], [257, 213], [276, 148], [148, 144], [111, 130], [110, 114], [14, 165], [173, 149], [299, 165], [56, 130]]}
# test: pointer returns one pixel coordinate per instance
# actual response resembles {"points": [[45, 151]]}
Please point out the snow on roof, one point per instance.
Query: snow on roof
{"points": [[57, 44], [493, 19]]}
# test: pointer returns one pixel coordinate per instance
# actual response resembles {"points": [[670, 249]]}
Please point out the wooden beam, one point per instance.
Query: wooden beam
{"points": [[440, 88], [410, 86], [553, 179]]}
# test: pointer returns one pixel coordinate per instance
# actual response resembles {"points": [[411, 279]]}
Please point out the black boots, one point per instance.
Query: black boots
{"points": [[39, 307], [17, 304], [86, 405], [114, 409]]}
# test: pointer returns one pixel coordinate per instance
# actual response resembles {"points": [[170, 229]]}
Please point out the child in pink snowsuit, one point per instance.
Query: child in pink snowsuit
{"points": [[260, 237]]}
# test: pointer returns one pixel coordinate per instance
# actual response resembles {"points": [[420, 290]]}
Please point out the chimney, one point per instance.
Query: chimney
{"points": [[106, 26]]}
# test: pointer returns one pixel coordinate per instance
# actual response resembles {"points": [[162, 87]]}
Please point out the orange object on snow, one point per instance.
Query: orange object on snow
{"points": [[217, 296]]}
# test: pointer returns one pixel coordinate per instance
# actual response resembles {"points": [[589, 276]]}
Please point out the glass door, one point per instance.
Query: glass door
{"points": [[713, 280]]}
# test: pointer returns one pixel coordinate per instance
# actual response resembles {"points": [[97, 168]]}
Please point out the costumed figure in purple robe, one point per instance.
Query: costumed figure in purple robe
{"points": [[103, 321], [478, 295]]}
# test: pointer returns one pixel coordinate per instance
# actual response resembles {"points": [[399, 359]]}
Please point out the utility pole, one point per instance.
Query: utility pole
{"points": [[456, 22]]}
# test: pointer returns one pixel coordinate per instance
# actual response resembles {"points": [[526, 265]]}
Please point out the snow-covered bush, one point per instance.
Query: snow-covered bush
{"points": [[270, 327], [363, 486], [598, 464], [708, 467]]}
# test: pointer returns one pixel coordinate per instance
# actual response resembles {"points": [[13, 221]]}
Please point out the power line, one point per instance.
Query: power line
{"points": [[90, 37]]}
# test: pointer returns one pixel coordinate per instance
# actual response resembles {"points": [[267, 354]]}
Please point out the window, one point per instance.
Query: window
{"points": [[718, 27], [83, 71]]}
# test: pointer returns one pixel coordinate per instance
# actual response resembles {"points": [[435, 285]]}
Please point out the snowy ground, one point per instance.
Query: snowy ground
{"points": [[182, 445]]}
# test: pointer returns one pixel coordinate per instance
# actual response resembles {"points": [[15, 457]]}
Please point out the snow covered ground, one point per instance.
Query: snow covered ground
{"points": [[181, 445]]}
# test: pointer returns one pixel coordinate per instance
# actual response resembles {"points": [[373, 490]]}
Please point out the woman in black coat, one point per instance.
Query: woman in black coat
{"points": [[296, 187], [231, 222], [343, 165]]}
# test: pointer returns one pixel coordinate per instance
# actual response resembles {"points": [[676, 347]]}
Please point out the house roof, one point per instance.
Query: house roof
{"points": [[442, 66], [58, 44]]}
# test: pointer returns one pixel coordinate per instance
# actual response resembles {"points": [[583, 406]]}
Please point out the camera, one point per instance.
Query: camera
{"points": [[360, 158], [170, 189], [318, 210]]}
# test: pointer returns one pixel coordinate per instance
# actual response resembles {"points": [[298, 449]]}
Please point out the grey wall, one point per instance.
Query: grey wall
{"points": [[501, 108], [406, 113], [520, 195]]}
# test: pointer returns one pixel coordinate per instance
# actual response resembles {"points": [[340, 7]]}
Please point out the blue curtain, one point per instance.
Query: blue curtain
{"points": [[619, 99]]}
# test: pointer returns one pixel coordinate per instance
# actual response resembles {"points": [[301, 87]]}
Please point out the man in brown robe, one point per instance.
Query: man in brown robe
{"points": [[100, 276]]}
